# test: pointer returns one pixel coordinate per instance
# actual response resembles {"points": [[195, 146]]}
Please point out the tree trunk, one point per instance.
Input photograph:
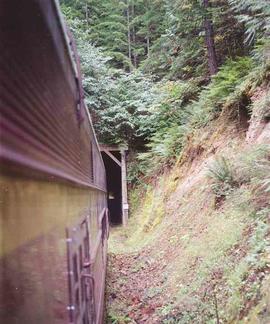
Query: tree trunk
{"points": [[134, 37], [209, 39], [129, 34], [86, 15], [148, 43]]}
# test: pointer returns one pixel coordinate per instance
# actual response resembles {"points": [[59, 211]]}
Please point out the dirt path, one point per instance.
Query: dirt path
{"points": [[134, 288]]}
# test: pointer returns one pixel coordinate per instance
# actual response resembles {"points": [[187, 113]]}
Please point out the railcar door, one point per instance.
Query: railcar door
{"points": [[81, 283]]}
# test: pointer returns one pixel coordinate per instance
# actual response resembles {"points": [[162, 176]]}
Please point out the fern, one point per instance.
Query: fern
{"points": [[225, 88], [255, 14], [221, 171], [222, 175]]}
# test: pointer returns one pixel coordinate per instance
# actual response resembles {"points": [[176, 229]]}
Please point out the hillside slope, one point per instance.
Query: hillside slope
{"points": [[197, 248]]}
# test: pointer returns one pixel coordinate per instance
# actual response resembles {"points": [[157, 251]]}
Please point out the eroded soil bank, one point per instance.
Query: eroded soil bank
{"points": [[194, 250]]}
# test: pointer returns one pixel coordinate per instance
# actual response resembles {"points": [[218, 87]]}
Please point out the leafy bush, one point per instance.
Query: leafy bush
{"points": [[169, 109], [168, 121], [126, 118], [166, 146], [250, 168], [119, 102], [182, 107], [247, 165], [137, 169], [261, 53], [224, 89], [228, 78]]}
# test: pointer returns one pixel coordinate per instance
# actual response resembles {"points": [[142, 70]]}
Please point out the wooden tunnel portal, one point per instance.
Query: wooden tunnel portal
{"points": [[114, 158]]}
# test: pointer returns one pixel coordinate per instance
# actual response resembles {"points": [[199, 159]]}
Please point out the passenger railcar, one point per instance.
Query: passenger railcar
{"points": [[53, 201]]}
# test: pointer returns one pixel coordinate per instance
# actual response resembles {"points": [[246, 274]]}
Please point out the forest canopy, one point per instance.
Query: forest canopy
{"points": [[154, 70]]}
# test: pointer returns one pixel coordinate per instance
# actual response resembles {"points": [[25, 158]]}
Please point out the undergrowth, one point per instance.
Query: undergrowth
{"points": [[249, 168], [215, 260], [233, 254], [185, 107]]}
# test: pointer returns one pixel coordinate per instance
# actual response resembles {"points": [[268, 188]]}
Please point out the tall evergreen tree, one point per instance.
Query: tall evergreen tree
{"points": [[210, 38], [109, 28]]}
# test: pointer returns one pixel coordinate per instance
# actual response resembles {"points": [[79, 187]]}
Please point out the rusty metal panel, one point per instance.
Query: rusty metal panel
{"points": [[86, 271], [81, 283], [33, 259], [50, 166], [44, 123]]}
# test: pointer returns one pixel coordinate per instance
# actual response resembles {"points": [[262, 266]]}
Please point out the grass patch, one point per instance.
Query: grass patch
{"points": [[117, 319]]}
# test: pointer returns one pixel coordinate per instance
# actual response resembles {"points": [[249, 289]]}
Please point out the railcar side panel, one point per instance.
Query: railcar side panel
{"points": [[34, 273], [53, 206]]}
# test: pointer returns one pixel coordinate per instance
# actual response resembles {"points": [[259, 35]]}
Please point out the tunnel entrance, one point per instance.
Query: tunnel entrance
{"points": [[115, 164], [114, 187]]}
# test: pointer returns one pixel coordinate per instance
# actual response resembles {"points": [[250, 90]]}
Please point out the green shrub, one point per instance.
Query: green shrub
{"points": [[255, 14], [247, 164], [226, 88], [185, 106], [170, 110], [249, 168], [137, 169], [223, 177]]}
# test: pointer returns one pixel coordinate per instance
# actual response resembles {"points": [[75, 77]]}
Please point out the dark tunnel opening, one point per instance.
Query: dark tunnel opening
{"points": [[114, 187]]}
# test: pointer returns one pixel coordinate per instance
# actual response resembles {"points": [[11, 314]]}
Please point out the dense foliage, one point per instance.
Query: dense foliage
{"points": [[156, 70]]}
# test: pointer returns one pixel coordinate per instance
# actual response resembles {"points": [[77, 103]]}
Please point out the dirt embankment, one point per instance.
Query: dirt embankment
{"points": [[185, 258]]}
